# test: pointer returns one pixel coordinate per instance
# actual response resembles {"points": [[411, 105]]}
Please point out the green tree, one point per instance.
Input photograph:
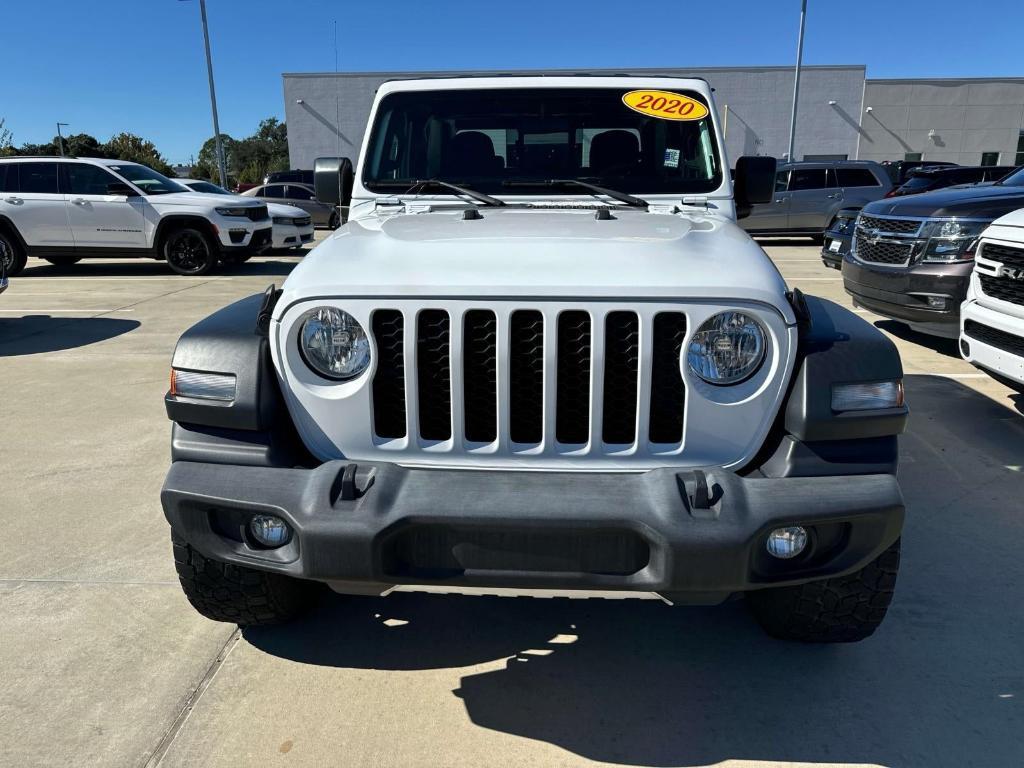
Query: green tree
{"points": [[206, 161], [128, 146], [84, 145], [6, 139]]}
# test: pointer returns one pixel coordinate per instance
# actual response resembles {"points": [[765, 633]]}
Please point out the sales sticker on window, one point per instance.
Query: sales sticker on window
{"points": [[672, 158], [665, 105]]}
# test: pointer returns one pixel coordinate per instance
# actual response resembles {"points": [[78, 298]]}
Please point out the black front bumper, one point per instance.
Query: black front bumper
{"points": [[651, 531], [903, 293], [261, 240]]}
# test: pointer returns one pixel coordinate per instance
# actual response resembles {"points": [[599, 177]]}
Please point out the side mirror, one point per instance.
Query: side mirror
{"points": [[333, 178], [120, 188], [754, 183]]}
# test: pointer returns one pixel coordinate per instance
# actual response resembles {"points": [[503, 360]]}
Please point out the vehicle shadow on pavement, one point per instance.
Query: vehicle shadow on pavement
{"points": [[944, 346], [275, 266], [641, 683], [35, 334]]}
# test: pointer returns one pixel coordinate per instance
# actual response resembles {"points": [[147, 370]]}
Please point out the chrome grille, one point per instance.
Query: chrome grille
{"points": [[882, 252], [890, 226]]}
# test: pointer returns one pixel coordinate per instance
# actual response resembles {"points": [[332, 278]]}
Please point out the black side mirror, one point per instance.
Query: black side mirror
{"points": [[120, 188], [333, 178], [754, 183]]}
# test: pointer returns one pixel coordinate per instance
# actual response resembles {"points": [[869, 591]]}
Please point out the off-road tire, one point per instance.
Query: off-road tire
{"points": [[844, 609], [63, 261], [12, 253], [237, 595], [189, 251]]}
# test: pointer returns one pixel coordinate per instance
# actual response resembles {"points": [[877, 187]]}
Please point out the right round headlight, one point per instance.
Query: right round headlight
{"points": [[727, 349], [334, 344]]}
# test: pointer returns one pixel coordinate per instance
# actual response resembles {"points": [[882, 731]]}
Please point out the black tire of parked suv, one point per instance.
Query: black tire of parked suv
{"points": [[335, 221], [237, 595], [63, 261], [189, 251], [12, 254], [843, 609]]}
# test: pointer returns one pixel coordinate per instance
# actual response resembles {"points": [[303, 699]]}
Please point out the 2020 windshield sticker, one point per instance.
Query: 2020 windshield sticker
{"points": [[665, 105]]}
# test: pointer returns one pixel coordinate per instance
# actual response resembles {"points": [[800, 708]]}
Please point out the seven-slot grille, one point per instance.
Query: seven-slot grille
{"points": [[596, 390], [1002, 286]]}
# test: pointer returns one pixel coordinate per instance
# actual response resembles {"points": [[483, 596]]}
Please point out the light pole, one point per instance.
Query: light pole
{"points": [[60, 139], [796, 79], [221, 166]]}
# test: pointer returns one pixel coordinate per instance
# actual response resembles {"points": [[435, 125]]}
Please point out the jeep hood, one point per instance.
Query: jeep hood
{"points": [[982, 202], [539, 253], [205, 199]]}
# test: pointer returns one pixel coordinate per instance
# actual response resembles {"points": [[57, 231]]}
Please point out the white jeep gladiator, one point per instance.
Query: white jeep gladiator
{"points": [[541, 355]]}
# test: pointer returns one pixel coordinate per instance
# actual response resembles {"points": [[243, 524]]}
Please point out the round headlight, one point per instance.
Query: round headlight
{"points": [[727, 349], [334, 344]]}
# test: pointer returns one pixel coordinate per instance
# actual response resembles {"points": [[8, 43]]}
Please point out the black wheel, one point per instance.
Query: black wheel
{"points": [[63, 261], [335, 221], [189, 251], [13, 257], [840, 610], [238, 595]]}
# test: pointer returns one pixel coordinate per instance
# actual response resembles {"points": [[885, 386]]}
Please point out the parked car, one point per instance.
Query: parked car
{"points": [[301, 176], [292, 227], [541, 369], [912, 256], [808, 195], [64, 209], [932, 178], [899, 170], [838, 237], [301, 196], [992, 317]]}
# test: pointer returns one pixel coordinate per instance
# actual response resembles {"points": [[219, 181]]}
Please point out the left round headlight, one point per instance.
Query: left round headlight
{"points": [[727, 349], [334, 344]]}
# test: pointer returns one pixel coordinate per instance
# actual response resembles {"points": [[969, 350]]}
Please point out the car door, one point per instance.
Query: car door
{"points": [[768, 217], [303, 198], [811, 199], [860, 186], [31, 198], [100, 220]]}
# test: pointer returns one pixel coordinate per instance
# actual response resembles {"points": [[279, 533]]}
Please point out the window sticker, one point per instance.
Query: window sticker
{"points": [[671, 158], [665, 105]]}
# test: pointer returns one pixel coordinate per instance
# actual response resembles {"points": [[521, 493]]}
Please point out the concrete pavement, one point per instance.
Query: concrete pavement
{"points": [[104, 662]]}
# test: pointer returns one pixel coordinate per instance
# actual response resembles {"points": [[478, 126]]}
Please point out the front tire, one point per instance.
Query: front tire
{"points": [[237, 595], [335, 221], [11, 253], [189, 251], [844, 609]]}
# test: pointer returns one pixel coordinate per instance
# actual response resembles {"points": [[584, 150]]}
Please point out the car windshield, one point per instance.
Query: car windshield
{"points": [[1015, 179], [206, 187], [497, 141], [148, 180]]}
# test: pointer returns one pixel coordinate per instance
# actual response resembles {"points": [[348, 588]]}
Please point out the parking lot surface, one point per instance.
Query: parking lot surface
{"points": [[105, 663]]}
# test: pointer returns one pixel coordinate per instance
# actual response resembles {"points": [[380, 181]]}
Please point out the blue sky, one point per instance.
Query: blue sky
{"points": [[110, 65]]}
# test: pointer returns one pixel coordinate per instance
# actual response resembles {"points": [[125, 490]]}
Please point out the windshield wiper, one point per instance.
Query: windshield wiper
{"points": [[421, 184], [622, 197]]}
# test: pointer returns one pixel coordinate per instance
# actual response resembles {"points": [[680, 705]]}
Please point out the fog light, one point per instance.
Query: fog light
{"points": [[786, 543], [269, 531], [965, 348], [937, 302]]}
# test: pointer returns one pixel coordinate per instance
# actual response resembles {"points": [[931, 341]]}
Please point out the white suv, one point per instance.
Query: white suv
{"points": [[66, 209], [992, 317]]}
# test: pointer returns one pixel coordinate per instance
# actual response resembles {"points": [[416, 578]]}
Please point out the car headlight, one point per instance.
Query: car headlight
{"points": [[282, 220], [234, 211], [844, 224], [951, 240], [727, 349], [334, 344]]}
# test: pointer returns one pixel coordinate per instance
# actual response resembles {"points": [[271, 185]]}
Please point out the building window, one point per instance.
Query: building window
{"points": [[1020, 150], [990, 158], [912, 156]]}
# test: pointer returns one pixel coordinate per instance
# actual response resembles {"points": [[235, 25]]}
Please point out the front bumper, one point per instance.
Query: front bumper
{"points": [[831, 254], [902, 293], [242, 241], [992, 340], [287, 236], [651, 531]]}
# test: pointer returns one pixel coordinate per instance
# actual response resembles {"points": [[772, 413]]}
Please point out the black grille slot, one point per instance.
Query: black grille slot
{"points": [[433, 369], [884, 252], [257, 213], [526, 376], [621, 363], [389, 380], [572, 409], [668, 393], [1003, 287], [1007, 342], [898, 226], [480, 375]]}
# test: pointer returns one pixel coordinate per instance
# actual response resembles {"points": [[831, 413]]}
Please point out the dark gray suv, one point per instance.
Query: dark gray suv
{"points": [[808, 195]]}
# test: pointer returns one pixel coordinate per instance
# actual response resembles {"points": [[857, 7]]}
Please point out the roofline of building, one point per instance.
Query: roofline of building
{"points": [[940, 80], [570, 71]]}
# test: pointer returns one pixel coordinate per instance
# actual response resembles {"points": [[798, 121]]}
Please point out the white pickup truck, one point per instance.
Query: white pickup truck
{"points": [[541, 354]]}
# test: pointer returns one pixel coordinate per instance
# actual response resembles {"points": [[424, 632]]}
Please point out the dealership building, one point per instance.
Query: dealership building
{"points": [[842, 114]]}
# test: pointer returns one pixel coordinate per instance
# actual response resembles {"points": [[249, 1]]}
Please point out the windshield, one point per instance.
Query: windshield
{"points": [[1015, 179], [148, 180], [207, 187], [499, 140]]}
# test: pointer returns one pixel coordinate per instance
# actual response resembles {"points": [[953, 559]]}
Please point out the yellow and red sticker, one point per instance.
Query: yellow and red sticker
{"points": [[665, 105]]}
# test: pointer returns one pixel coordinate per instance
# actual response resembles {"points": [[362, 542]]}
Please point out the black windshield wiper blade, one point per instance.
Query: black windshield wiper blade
{"points": [[480, 197], [622, 197]]}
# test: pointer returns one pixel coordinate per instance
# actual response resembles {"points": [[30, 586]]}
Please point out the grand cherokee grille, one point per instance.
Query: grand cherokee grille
{"points": [[882, 252], [257, 213], [894, 226], [994, 337], [599, 391], [1001, 286]]}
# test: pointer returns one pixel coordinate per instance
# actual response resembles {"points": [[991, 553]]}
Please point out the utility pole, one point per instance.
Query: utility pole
{"points": [[796, 79], [60, 139], [221, 166]]}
